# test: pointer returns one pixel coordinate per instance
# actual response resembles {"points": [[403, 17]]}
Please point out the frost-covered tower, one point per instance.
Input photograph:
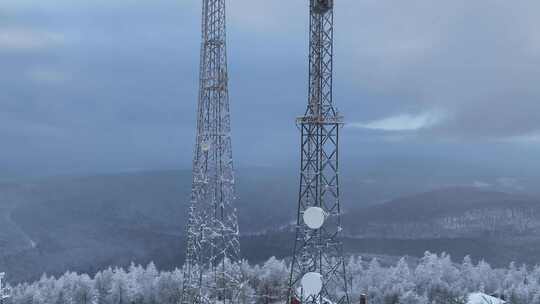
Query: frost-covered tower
{"points": [[4, 291], [318, 269], [212, 232]]}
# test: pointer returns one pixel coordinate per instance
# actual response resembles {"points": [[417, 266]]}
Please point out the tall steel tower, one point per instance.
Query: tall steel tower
{"points": [[318, 268], [4, 291], [212, 232]]}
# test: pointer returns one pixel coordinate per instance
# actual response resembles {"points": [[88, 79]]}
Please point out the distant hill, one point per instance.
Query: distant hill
{"points": [[496, 226], [455, 212], [87, 223]]}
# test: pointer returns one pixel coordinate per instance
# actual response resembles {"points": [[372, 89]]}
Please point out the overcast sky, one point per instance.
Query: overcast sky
{"points": [[105, 85]]}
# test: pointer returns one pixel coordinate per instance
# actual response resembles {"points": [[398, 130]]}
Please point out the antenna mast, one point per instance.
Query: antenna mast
{"points": [[4, 291], [318, 268], [212, 232]]}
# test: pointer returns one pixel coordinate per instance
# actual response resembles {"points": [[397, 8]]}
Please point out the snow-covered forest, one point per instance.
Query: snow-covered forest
{"points": [[432, 279]]}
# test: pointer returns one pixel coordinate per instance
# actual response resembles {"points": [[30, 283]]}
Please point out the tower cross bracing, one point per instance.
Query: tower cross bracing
{"points": [[212, 232]]}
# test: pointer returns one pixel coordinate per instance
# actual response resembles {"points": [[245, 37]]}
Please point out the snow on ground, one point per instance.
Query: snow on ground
{"points": [[481, 298]]}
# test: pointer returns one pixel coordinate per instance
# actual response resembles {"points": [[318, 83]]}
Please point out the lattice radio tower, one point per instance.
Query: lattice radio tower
{"points": [[4, 291], [318, 268], [212, 232]]}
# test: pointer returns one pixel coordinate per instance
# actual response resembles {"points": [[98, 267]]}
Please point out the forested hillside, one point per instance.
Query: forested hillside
{"points": [[454, 212], [89, 223]]}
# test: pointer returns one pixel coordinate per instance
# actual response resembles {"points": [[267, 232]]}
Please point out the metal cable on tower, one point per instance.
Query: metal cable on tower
{"points": [[318, 268], [212, 232]]}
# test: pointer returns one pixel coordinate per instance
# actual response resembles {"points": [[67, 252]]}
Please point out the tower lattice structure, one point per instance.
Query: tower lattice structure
{"points": [[4, 291], [319, 250], [212, 232]]}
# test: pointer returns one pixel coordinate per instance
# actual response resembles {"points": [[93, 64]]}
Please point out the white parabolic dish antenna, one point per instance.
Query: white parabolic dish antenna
{"points": [[205, 146], [314, 217], [311, 284]]}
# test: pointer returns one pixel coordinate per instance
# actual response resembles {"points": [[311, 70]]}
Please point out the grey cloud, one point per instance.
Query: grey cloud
{"points": [[123, 76], [477, 60]]}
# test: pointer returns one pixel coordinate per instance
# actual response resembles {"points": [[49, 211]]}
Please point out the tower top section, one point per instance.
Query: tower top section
{"points": [[322, 6], [321, 109]]}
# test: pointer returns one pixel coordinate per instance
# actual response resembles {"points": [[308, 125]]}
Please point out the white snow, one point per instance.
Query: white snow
{"points": [[481, 298]]}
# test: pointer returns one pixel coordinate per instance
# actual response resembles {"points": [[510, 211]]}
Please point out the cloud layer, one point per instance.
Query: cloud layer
{"points": [[403, 122], [95, 83]]}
